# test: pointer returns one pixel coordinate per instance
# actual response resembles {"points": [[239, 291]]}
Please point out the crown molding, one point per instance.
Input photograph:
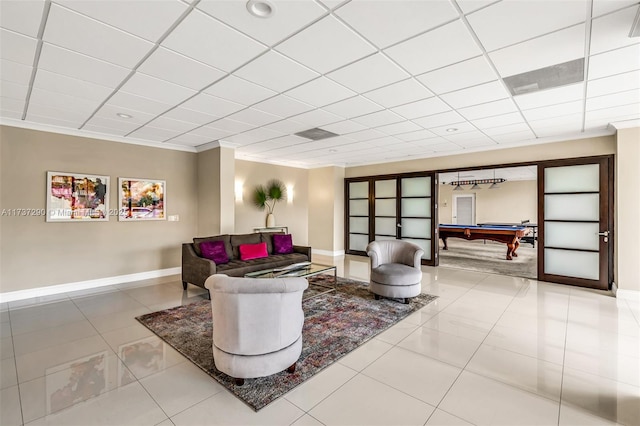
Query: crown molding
{"points": [[214, 145], [625, 124]]}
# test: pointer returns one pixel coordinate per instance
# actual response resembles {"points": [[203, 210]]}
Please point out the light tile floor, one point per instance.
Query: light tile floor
{"points": [[491, 350]]}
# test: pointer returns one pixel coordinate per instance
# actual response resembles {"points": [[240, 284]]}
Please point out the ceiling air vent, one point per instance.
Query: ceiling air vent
{"points": [[315, 134], [546, 78]]}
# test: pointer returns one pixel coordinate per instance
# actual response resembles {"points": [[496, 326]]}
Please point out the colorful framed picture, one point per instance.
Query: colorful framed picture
{"points": [[141, 199], [77, 197]]}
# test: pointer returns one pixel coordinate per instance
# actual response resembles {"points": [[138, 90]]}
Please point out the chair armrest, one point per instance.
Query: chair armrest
{"points": [[195, 269], [417, 258], [304, 250], [373, 251]]}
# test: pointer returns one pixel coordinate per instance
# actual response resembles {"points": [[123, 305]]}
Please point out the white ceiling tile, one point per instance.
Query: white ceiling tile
{"points": [[416, 136], [137, 103], [511, 22], [287, 126], [508, 138], [398, 128], [446, 147], [54, 120], [212, 105], [353, 107], [317, 118], [426, 143], [326, 45], [15, 106], [82, 67], [231, 126], [601, 7], [551, 111], [190, 140], [153, 134], [101, 130], [156, 89], [400, 19], [321, 92], [288, 18], [22, 16], [612, 31], [146, 19], [238, 90], [399, 93], [421, 108], [502, 130], [458, 76], [622, 112], [175, 68], [469, 6], [110, 112], [614, 62], [412, 54], [190, 116], [488, 109], [364, 135], [614, 100], [558, 95], [276, 72], [470, 139], [171, 124], [498, 121], [344, 127], [358, 76], [379, 118], [384, 142], [46, 109], [613, 84], [76, 32], [203, 38], [252, 136], [121, 127], [562, 124], [552, 49], [17, 47], [283, 141], [461, 128], [9, 89], [441, 119], [64, 102], [15, 72], [482, 93], [70, 86], [211, 133], [283, 106], [254, 117]]}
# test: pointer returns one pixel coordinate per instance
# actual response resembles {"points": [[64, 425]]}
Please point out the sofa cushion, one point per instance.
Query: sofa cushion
{"points": [[214, 250], [267, 237], [226, 238], [253, 251], [238, 239], [282, 244]]}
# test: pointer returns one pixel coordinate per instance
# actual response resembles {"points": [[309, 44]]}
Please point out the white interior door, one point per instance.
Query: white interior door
{"points": [[464, 209]]}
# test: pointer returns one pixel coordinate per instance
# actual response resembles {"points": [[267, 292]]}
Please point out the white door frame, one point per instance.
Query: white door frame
{"points": [[454, 209]]}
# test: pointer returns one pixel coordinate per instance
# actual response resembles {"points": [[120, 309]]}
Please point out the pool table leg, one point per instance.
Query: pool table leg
{"points": [[511, 249], [444, 241]]}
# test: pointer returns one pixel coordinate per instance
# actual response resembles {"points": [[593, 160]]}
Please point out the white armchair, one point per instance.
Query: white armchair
{"points": [[395, 269], [257, 324]]}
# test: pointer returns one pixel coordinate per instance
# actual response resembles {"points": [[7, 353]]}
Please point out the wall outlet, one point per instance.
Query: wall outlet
{"points": [[174, 218]]}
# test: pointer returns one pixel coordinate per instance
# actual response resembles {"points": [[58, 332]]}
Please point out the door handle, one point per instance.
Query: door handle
{"points": [[604, 234], [399, 225]]}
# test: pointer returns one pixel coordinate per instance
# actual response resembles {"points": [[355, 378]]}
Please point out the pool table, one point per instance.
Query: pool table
{"points": [[510, 235]]}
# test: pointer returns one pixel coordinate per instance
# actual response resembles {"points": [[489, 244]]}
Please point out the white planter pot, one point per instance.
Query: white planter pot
{"points": [[271, 220]]}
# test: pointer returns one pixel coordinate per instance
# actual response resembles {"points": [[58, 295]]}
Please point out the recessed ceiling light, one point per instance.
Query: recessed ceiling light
{"points": [[452, 129], [123, 115], [260, 8]]}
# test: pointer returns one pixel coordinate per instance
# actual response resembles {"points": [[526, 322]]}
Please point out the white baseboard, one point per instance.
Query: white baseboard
{"points": [[327, 252], [85, 285], [632, 295]]}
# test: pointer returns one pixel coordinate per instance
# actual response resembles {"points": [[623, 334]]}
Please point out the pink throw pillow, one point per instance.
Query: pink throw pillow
{"points": [[253, 251]]}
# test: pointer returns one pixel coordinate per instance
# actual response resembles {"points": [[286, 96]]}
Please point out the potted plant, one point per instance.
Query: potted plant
{"points": [[266, 197]]}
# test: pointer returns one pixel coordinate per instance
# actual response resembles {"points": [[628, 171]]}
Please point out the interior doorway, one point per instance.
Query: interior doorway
{"points": [[464, 209]]}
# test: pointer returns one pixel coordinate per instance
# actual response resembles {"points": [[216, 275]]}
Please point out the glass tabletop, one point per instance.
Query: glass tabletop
{"points": [[304, 271]]}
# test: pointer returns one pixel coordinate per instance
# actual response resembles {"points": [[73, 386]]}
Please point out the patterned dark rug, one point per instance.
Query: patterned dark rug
{"points": [[335, 324]]}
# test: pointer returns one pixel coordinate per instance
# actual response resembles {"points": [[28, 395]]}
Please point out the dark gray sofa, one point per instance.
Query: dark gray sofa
{"points": [[196, 269]]}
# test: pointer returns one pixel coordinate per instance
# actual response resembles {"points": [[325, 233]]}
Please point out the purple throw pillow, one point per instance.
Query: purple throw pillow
{"points": [[215, 251], [282, 244]]}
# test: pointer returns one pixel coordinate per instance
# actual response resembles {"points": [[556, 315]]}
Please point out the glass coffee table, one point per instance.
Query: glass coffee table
{"points": [[303, 271]]}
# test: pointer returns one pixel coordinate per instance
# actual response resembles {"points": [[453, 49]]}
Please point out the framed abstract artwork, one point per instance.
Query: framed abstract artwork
{"points": [[141, 199], [77, 197]]}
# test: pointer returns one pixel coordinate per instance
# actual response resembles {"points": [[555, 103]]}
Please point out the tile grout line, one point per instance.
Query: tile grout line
{"points": [[564, 356]]}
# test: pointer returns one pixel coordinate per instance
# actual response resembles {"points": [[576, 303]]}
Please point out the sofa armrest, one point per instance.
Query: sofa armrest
{"points": [[195, 269], [304, 250]]}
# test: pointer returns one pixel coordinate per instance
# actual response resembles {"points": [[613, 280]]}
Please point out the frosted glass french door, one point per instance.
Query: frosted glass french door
{"points": [[357, 216], [576, 222], [416, 208]]}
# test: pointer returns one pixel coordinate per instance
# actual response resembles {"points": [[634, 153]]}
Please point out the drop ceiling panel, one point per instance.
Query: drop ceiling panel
{"points": [[22, 16], [279, 142], [238, 90], [613, 84], [344, 127], [504, 130], [553, 111], [211, 133], [13, 90], [137, 103], [252, 136], [480, 94], [283, 106], [15, 72], [358, 76], [321, 92], [364, 135], [612, 31], [508, 138], [175, 68], [189, 139], [353, 107], [64, 102], [619, 113], [146, 19], [562, 46], [153, 134], [13, 106], [98, 130], [379, 118], [190, 116], [56, 119], [398, 128], [461, 128], [498, 121], [510, 22], [42, 110], [276, 72], [17, 47], [416, 136], [203, 38], [82, 67], [289, 17], [459, 46], [231, 126], [441, 119], [317, 118], [400, 19], [421, 108], [70, 86], [615, 62], [156, 89], [469, 6], [614, 100], [558, 95], [254, 117], [171, 124], [601, 7], [488, 109], [458, 76], [287, 126], [98, 40], [212, 105], [121, 127], [399, 93], [110, 112], [326, 45]]}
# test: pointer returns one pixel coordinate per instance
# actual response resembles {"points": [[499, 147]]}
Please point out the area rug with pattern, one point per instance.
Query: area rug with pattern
{"points": [[335, 324]]}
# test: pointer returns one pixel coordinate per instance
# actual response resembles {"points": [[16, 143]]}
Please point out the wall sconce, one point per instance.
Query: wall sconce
{"points": [[239, 191], [289, 194]]}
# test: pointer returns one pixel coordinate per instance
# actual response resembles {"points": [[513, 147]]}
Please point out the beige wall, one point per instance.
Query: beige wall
{"points": [[512, 202], [35, 253], [326, 209], [216, 174], [294, 215]]}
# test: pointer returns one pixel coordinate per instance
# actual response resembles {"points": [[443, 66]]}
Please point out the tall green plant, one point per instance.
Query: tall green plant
{"points": [[266, 196]]}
